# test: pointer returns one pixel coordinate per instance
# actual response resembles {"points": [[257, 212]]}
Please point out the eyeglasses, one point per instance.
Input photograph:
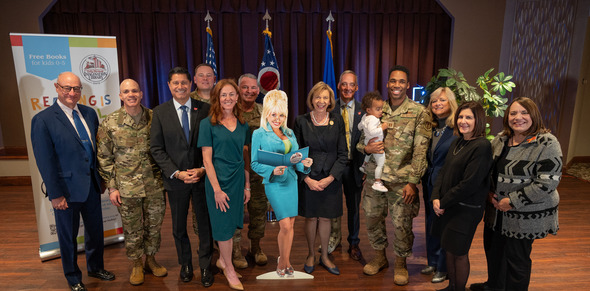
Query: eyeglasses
{"points": [[67, 89]]}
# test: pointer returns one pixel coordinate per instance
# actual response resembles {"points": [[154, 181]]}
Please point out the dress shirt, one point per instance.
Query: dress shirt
{"points": [[69, 113], [179, 111]]}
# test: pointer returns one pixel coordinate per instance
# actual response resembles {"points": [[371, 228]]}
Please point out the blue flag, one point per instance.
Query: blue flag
{"points": [[329, 77], [268, 76], [210, 53]]}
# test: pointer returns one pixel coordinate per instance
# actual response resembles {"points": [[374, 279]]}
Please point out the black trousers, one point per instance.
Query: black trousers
{"points": [[352, 194], [179, 205], [509, 261]]}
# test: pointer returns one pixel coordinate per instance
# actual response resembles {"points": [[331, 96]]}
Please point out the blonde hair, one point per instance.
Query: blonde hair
{"points": [[274, 101], [318, 88], [452, 104]]}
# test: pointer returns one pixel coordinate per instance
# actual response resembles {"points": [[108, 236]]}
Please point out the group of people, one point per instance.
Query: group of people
{"points": [[201, 149]]}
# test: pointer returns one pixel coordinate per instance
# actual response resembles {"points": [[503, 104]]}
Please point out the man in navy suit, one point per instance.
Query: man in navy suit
{"points": [[64, 144], [351, 177], [174, 132]]}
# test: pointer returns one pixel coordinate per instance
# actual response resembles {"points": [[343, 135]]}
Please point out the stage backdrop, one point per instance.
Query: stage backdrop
{"points": [[369, 37], [38, 60]]}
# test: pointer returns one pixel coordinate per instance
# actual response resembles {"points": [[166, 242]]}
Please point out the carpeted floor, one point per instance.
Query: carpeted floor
{"points": [[580, 171]]}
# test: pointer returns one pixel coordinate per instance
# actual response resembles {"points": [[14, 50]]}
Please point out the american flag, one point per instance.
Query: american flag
{"points": [[210, 52], [268, 76]]}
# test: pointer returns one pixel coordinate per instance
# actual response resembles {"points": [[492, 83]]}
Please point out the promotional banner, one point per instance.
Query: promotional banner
{"points": [[38, 60]]}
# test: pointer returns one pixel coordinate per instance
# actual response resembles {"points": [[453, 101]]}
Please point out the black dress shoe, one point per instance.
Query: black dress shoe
{"points": [[186, 273], [206, 277], [355, 252], [78, 287], [102, 274], [481, 287]]}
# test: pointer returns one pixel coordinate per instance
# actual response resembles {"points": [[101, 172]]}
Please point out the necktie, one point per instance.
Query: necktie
{"points": [[84, 137], [185, 121], [347, 126]]}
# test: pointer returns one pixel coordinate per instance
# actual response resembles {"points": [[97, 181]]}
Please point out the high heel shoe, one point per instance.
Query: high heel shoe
{"points": [[238, 286], [334, 270], [222, 269], [280, 272], [308, 269], [289, 271]]}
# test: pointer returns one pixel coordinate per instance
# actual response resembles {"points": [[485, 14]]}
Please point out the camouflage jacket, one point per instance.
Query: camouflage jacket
{"points": [[406, 142], [196, 96], [253, 117], [125, 162]]}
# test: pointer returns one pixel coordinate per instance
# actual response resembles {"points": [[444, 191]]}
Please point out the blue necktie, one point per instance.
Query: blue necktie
{"points": [[84, 137], [185, 121]]}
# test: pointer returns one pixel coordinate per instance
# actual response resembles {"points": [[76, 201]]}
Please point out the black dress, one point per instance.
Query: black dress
{"points": [[327, 148], [462, 187]]}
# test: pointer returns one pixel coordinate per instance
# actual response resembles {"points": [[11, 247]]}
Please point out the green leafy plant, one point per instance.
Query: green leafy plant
{"points": [[494, 88]]}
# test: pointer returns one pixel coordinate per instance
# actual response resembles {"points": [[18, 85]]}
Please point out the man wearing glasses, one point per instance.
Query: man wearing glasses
{"points": [[64, 144]]}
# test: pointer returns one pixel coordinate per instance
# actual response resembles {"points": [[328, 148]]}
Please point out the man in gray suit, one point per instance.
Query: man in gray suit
{"points": [[174, 132]]}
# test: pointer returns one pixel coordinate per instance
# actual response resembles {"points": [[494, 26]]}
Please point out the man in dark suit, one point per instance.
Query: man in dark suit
{"points": [[174, 132], [64, 144], [350, 109]]}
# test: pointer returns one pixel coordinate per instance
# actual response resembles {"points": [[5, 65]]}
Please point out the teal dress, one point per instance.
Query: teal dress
{"points": [[228, 161], [281, 191]]}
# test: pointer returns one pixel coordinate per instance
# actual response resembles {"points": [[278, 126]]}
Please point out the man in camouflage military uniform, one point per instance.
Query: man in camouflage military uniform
{"points": [[204, 80], [405, 145], [133, 179], [258, 204]]}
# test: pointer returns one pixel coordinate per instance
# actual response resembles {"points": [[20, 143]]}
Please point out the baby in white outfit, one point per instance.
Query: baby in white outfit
{"points": [[372, 127]]}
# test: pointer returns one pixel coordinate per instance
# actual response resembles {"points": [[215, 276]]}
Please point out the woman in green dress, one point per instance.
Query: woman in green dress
{"points": [[223, 138]]}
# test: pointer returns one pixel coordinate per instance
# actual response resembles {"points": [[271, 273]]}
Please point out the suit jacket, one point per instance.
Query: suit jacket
{"points": [[436, 160], [168, 144], [328, 159], [60, 154], [355, 135]]}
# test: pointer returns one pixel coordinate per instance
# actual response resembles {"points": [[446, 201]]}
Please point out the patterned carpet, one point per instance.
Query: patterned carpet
{"points": [[580, 171]]}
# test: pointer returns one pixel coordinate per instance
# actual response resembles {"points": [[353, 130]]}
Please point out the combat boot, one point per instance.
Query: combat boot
{"points": [[154, 267], [378, 263], [256, 252], [136, 277], [237, 258], [400, 270]]}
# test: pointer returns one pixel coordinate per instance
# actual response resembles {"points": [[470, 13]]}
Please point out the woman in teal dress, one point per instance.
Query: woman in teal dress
{"points": [[280, 183], [223, 138]]}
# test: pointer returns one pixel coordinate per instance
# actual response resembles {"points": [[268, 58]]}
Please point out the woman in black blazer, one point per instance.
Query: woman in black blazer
{"points": [[320, 192]]}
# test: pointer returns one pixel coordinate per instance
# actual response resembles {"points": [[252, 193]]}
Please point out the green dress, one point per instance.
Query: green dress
{"points": [[228, 161]]}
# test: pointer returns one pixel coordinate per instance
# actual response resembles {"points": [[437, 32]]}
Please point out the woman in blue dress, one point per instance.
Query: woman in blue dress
{"points": [[223, 138], [280, 183]]}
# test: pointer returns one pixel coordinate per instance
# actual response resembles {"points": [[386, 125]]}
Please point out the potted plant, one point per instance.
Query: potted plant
{"points": [[494, 88]]}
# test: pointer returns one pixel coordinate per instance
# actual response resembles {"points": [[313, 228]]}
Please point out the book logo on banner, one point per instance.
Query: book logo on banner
{"points": [[95, 68]]}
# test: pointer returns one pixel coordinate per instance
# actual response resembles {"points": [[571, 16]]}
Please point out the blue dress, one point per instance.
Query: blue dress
{"points": [[281, 191], [228, 161]]}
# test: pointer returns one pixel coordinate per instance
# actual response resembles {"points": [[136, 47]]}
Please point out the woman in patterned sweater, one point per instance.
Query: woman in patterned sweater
{"points": [[527, 170]]}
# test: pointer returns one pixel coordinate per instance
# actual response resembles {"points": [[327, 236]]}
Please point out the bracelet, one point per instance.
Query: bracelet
{"points": [[247, 189]]}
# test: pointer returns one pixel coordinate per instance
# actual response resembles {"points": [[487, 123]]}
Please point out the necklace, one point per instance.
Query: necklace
{"points": [[439, 131], [455, 151], [319, 123]]}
